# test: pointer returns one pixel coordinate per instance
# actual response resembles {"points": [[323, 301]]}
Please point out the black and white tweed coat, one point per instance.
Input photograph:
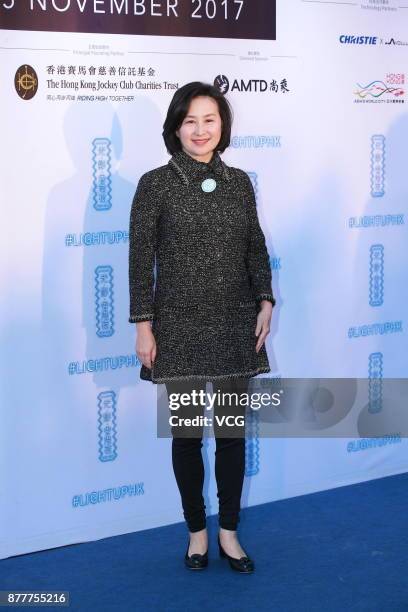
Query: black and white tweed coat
{"points": [[198, 268]]}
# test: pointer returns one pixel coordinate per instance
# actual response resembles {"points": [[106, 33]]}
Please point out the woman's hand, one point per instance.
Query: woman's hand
{"points": [[263, 323], [145, 343]]}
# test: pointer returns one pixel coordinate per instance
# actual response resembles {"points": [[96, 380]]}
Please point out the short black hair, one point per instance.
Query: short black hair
{"points": [[178, 109]]}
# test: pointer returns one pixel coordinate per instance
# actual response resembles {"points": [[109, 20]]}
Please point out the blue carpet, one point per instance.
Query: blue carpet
{"points": [[342, 549]]}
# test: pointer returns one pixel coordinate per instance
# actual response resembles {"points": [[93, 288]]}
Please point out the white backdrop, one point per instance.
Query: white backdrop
{"points": [[326, 150]]}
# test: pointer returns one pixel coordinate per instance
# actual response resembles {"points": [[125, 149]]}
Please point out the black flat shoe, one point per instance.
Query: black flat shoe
{"points": [[196, 561], [244, 565]]}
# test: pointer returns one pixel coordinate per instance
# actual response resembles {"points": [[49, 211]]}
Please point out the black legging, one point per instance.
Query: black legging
{"points": [[187, 459]]}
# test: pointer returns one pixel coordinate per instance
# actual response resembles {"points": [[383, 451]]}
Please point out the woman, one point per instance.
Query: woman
{"points": [[207, 317]]}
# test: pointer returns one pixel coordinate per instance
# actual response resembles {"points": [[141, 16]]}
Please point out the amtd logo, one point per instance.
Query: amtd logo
{"points": [[223, 84]]}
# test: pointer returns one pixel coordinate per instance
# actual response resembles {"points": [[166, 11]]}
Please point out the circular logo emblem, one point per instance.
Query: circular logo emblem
{"points": [[26, 82], [222, 82], [208, 185]]}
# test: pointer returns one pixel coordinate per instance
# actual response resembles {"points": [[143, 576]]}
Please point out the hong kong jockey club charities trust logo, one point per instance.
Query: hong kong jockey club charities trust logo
{"points": [[26, 82], [251, 85]]}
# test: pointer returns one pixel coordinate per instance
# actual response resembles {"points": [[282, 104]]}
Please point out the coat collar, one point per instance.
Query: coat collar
{"points": [[188, 168]]}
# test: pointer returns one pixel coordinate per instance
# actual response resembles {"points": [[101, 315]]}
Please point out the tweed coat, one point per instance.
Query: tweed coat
{"points": [[198, 269]]}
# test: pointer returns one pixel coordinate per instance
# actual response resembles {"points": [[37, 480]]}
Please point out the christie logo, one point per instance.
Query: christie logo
{"points": [[350, 39], [345, 39], [252, 85]]}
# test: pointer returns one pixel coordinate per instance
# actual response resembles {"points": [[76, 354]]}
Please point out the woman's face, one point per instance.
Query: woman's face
{"points": [[200, 131]]}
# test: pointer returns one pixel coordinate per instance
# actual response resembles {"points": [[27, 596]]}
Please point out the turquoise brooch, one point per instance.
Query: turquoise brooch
{"points": [[208, 185]]}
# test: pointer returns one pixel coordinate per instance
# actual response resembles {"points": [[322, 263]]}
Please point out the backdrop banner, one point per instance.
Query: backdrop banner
{"points": [[320, 126]]}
